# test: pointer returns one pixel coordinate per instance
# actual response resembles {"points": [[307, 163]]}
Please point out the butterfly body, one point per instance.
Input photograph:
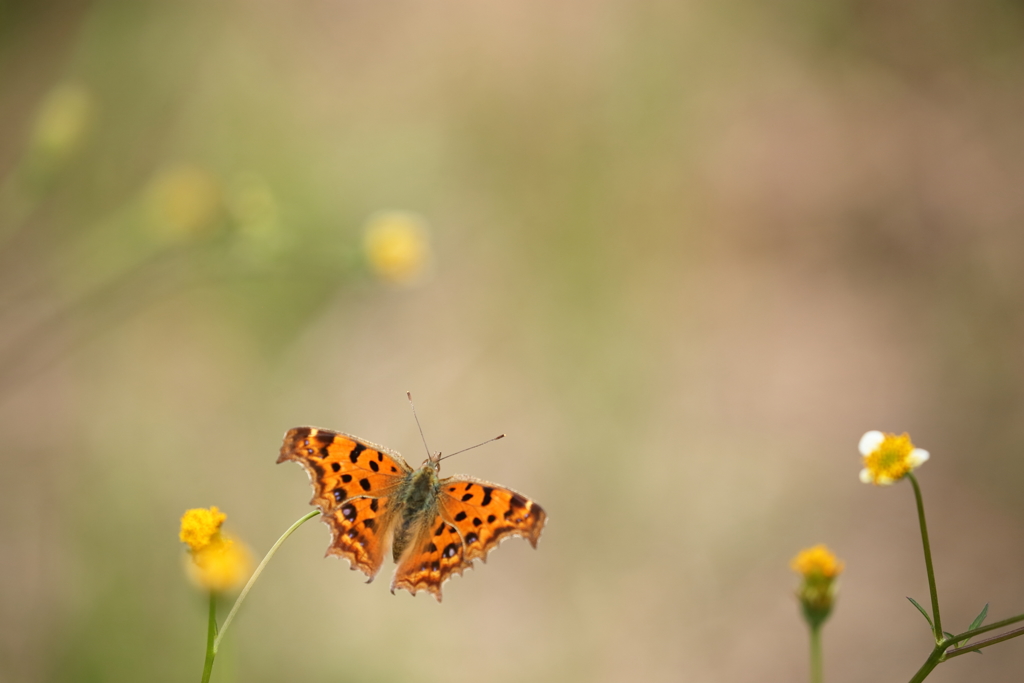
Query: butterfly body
{"points": [[371, 499], [417, 501]]}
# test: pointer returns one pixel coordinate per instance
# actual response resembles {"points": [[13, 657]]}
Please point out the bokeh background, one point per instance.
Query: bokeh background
{"points": [[683, 252]]}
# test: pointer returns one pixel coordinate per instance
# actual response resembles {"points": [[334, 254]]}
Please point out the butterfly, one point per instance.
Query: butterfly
{"points": [[373, 501]]}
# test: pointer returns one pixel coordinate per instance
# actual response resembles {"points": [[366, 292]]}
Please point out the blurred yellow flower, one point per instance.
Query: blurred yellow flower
{"points": [[183, 202], [397, 246], [888, 457], [215, 562], [817, 561], [63, 120], [819, 568]]}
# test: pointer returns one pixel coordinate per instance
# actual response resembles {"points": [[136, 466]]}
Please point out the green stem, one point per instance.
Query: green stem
{"points": [[817, 675], [211, 632], [256, 575], [985, 629], [984, 643], [937, 620], [933, 661]]}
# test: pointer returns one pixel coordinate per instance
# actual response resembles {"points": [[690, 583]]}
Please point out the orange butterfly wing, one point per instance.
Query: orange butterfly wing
{"points": [[436, 555], [486, 514], [472, 518], [352, 482]]}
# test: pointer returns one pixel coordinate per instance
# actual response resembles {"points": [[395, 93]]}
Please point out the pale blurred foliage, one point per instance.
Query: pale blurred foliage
{"points": [[683, 253], [183, 202], [63, 120]]}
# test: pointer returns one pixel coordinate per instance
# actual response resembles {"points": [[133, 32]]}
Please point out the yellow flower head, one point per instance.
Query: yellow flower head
{"points": [[819, 568], [220, 566], [888, 458], [215, 562], [200, 526], [815, 562], [397, 246]]}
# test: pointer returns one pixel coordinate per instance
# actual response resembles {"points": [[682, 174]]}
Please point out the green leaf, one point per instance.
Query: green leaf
{"points": [[975, 624], [978, 619], [921, 610]]}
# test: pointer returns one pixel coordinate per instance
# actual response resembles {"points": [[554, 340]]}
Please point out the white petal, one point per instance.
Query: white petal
{"points": [[865, 476], [870, 441], [918, 457]]}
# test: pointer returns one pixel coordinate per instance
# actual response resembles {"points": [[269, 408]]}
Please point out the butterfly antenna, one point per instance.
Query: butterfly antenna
{"points": [[417, 418], [499, 436]]}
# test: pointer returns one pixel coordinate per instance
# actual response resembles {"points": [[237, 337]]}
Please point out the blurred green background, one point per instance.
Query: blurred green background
{"points": [[683, 252]]}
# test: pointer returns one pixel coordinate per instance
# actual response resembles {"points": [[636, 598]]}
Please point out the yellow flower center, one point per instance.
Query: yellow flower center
{"points": [[200, 527], [891, 459]]}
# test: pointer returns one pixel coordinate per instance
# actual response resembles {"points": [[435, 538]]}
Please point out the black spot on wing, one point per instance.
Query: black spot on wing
{"points": [[349, 512], [471, 538], [487, 496], [467, 497], [373, 504], [450, 550], [336, 466], [325, 438], [346, 477], [431, 548], [354, 455], [461, 516], [340, 494], [440, 529], [476, 521], [364, 484], [490, 519], [515, 504], [300, 433], [374, 466], [369, 523]]}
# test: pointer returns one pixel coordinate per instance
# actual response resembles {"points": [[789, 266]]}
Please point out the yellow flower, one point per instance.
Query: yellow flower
{"points": [[184, 202], [215, 562], [819, 568], [200, 526], [397, 246], [817, 562], [888, 458]]}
